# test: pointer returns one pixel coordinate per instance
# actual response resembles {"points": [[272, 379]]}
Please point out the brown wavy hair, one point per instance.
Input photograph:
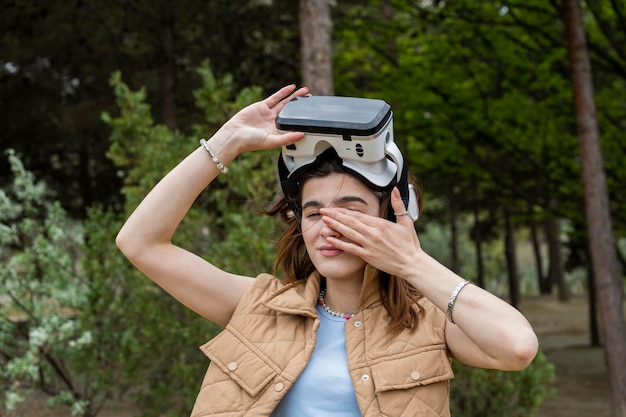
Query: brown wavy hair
{"points": [[398, 296]]}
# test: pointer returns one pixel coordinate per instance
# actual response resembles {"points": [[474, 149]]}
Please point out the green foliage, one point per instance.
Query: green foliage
{"points": [[42, 291], [73, 311], [224, 223], [141, 150], [70, 306], [479, 392]]}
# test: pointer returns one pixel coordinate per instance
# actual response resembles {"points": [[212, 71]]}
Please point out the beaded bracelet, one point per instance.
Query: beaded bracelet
{"points": [[456, 292], [220, 166]]}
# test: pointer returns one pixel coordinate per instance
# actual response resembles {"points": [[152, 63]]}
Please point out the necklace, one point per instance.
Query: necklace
{"points": [[331, 311]]}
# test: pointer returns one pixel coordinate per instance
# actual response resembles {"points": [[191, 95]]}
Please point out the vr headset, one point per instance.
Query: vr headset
{"points": [[360, 133]]}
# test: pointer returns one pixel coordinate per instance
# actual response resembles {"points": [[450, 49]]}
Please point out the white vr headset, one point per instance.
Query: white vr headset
{"points": [[359, 130]]}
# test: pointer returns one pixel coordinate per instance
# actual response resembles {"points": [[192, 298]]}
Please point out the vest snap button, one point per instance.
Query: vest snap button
{"points": [[279, 387], [232, 366], [415, 375], [357, 323], [365, 377]]}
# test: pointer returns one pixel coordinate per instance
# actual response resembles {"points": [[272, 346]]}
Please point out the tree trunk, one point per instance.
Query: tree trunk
{"points": [[594, 331], [511, 261], [478, 245], [168, 69], [534, 237], [316, 46], [556, 274], [454, 238], [606, 268], [553, 242]]}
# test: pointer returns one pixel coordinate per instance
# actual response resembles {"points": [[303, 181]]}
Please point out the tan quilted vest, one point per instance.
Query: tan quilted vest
{"points": [[271, 336]]}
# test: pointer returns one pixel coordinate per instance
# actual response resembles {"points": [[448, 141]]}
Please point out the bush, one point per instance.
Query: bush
{"points": [[41, 293], [477, 392]]}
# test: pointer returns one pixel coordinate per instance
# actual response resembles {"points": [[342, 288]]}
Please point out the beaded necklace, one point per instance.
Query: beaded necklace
{"points": [[331, 311]]}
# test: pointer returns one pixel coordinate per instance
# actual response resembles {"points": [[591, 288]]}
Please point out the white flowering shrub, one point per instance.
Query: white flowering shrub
{"points": [[41, 295]]}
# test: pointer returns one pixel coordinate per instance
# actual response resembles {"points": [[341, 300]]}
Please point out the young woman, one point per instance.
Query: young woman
{"points": [[365, 323]]}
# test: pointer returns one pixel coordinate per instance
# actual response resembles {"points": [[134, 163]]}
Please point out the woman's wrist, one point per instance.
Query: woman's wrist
{"points": [[223, 147], [421, 265], [433, 279], [223, 168]]}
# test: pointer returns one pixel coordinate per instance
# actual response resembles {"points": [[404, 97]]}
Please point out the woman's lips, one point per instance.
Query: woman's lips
{"points": [[330, 251]]}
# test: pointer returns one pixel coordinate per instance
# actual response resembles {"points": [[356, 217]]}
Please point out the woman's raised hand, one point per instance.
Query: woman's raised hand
{"points": [[254, 127], [390, 247]]}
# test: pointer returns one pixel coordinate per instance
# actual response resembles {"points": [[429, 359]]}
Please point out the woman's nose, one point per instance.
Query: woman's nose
{"points": [[329, 232]]}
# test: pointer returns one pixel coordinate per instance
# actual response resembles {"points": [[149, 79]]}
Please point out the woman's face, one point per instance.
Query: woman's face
{"points": [[335, 190]]}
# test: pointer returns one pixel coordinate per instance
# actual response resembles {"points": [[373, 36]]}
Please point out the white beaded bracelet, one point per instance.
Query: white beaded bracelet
{"points": [[220, 166], [455, 293]]}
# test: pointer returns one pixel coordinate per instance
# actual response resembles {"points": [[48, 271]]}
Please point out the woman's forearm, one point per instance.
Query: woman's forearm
{"points": [[501, 332]]}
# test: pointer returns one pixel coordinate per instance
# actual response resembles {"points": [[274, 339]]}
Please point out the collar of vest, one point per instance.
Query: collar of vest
{"points": [[297, 298], [301, 297]]}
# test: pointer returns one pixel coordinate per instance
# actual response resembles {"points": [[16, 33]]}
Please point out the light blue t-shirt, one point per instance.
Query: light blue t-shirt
{"points": [[324, 389]]}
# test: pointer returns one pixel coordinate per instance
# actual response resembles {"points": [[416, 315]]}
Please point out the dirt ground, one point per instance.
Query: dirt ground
{"points": [[581, 384], [563, 331]]}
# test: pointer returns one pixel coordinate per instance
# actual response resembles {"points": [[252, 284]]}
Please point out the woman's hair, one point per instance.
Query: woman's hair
{"points": [[397, 295]]}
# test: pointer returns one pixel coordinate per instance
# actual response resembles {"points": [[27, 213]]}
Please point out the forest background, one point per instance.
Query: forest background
{"points": [[98, 100]]}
